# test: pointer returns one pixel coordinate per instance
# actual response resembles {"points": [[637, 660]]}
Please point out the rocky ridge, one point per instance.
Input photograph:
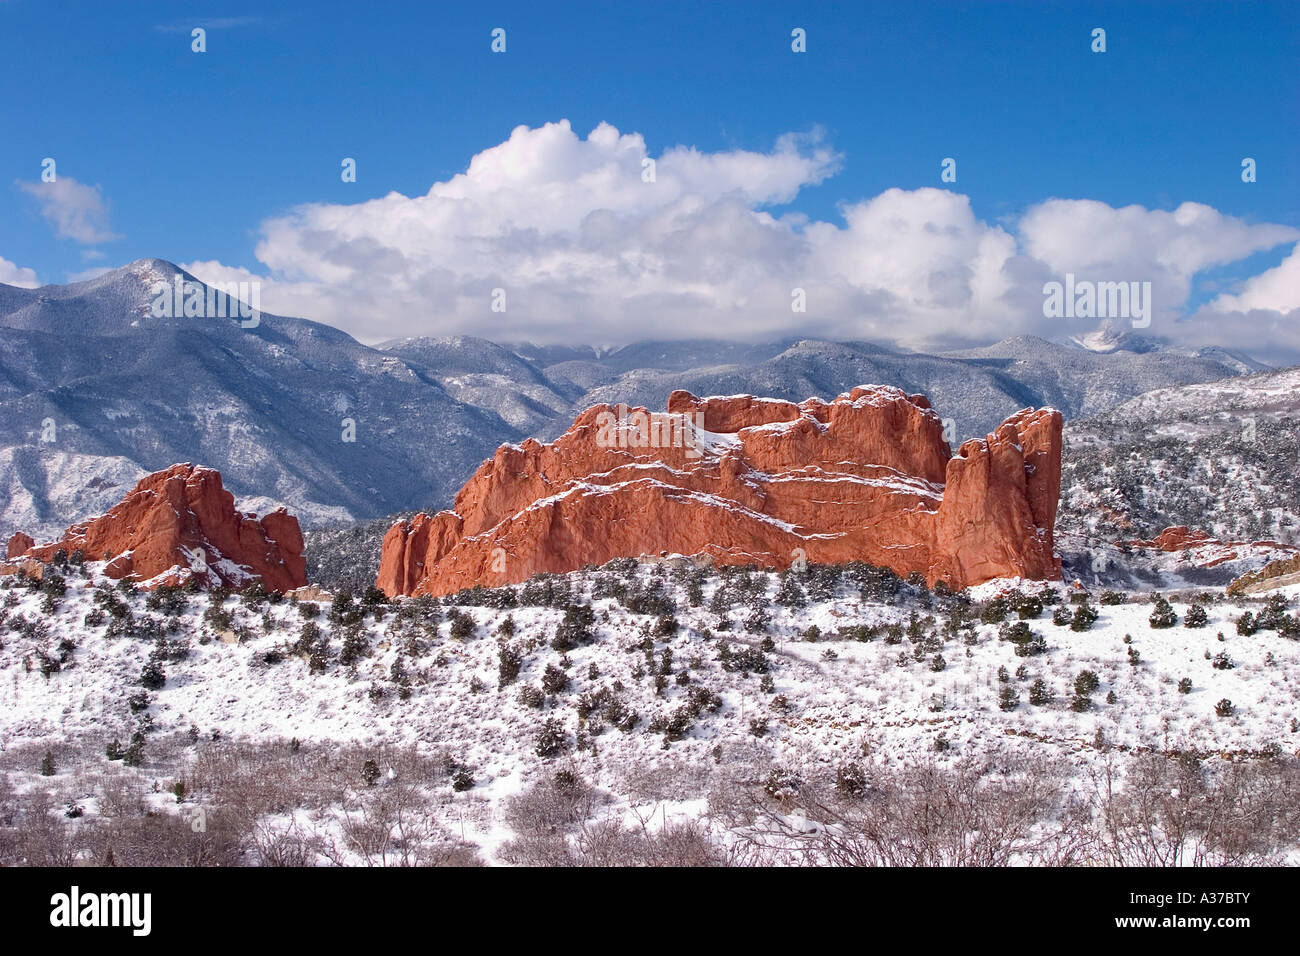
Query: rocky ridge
{"points": [[867, 476]]}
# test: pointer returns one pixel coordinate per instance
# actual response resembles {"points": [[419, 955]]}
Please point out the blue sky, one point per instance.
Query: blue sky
{"points": [[193, 153]]}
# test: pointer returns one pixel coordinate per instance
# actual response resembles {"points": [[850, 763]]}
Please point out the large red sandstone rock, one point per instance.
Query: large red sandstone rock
{"points": [[173, 524], [866, 477]]}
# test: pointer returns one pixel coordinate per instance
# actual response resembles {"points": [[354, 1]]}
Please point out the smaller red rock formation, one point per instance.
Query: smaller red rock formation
{"points": [[1178, 538], [18, 544], [181, 523], [1209, 551]]}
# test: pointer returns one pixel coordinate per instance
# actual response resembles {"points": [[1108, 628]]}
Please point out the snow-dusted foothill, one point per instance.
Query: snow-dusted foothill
{"points": [[652, 691]]}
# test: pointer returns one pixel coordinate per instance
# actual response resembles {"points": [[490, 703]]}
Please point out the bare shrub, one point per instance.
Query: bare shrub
{"points": [[273, 845], [165, 840], [650, 782], [970, 814], [1175, 812], [608, 843], [676, 843], [554, 804], [43, 836]]}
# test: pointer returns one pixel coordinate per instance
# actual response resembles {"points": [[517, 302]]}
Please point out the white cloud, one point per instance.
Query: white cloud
{"points": [[1276, 290], [76, 211], [588, 252], [1095, 241], [1262, 319], [11, 274]]}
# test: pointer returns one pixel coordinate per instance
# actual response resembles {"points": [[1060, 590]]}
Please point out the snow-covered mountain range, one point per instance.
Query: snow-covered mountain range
{"points": [[95, 392], [93, 386]]}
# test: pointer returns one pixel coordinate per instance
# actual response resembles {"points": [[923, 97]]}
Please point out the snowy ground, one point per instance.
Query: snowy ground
{"points": [[923, 693]]}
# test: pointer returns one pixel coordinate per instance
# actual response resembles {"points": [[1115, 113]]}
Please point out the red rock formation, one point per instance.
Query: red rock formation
{"points": [[18, 544], [180, 523], [745, 480], [1178, 538], [1208, 552]]}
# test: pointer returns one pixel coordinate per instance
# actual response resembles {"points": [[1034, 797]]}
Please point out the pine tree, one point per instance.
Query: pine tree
{"points": [[153, 677], [1086, 682], [354, 647], [1164, 615], [1029, 607], [133, 756], [551, 740], [555, 680], [1084, 617], [1040, 693], [576, 628], [509, 662], [344, 610]]}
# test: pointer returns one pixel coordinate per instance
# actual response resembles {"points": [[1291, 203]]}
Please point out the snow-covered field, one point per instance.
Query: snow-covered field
{"points": [[852, 678]]}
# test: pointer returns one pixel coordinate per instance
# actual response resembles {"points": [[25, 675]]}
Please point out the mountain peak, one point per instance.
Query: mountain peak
{"points": [[1112, 336], [146, 271]]}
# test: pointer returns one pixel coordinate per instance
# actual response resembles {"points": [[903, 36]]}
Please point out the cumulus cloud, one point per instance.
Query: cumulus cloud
{"points": [[11, 274], [77, 211], [1276, 290], [1167, 249], [1262, 318], [588, 246]]}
